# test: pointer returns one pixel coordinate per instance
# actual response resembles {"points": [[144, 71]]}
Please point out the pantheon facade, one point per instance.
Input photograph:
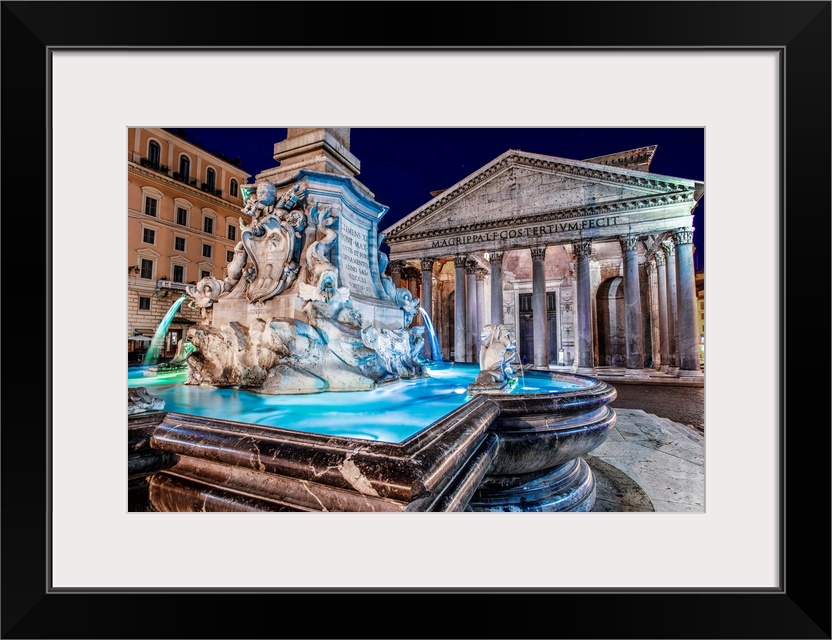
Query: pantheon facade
{"points": [[590, 262]]}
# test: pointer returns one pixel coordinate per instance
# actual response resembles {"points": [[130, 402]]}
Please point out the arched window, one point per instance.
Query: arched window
{"points": [[154, 153], [184, 167], [211, 178], [233, 187]]}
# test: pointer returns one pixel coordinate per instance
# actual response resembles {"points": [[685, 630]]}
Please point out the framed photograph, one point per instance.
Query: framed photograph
{"points": [[754, 75]]}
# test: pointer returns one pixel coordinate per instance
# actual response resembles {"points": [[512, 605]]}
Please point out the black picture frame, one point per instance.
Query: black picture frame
{"points": [[799, 608]]}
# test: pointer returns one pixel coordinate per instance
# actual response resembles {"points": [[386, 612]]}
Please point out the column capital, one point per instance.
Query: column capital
{"points": [[496, 258], [427, 264], [669, 247], [471, 267], [396, 266], [459, 261], [481, 273], [413, 274], [582, 247], [683, 235], [538, 253], [660, 257], [629, 242]]}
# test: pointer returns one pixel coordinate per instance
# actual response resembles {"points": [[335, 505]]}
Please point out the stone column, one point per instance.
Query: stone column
{"points": [[427, 301], [686, 303], [481, 273], [539, 321], [396, 272], [472, 337], [495, 261], [413, 282], [586, 358], [663, 330], [459, 308], [633, 321], [652, 350], [672, 306]]}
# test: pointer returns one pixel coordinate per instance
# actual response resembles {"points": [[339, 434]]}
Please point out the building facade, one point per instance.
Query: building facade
{"points": [[590, 262], [183, 218]]}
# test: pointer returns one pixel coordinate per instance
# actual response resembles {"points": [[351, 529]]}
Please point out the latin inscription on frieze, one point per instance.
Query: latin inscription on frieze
{"points": [[535, 231], [354, 258]]}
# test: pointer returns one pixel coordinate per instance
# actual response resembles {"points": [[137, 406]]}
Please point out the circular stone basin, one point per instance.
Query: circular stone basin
{"points": [[542, 437], [540, 430]]}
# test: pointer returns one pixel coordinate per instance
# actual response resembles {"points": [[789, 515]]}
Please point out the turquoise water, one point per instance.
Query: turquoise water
{"points": [[390, 413]]}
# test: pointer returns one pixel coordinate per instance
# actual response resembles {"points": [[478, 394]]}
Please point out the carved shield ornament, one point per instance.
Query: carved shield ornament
{"points": [[270, 246]]}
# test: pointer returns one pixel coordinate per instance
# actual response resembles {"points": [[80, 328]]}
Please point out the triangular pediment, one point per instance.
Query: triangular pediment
{"points": [[524, 185], [638, 159]]}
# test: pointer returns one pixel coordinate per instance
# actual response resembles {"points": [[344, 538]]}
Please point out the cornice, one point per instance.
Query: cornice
{"points": [[622, 206], [640, 155], [558, 165], [158, 178], [172, 138]]}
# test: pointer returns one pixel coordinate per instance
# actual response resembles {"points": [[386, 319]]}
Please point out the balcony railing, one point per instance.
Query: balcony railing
{"points": [[155, 166], [210, 188], [179, 177], [193, 182]]}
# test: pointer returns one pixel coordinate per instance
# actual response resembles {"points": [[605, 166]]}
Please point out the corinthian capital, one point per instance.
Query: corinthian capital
{"points": [[538, 253], [459, 261], [629, 242], [471, 267], [396, 266], [582, 248], [496, 258], [669, 247], [660, 257], [683, 235], [427, 264]]}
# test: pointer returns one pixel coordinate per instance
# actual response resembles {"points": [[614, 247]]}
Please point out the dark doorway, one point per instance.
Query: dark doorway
{"points": [[525, 341], [612, 336], [171, 343]]}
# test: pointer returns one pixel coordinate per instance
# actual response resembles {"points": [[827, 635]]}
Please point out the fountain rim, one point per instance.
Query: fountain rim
{"points": [[595, 393]]}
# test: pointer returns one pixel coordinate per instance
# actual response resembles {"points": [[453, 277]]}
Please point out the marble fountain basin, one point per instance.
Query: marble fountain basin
{"points": [[515, 451]]}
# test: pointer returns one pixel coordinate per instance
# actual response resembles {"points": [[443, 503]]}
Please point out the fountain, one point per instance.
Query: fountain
{"points": [[305, 306], [152, 355], [435, 348], [305, 316]]}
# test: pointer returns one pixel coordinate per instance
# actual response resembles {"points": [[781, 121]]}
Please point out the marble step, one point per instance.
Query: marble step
{"points": [[663, 431], [682, 429]]}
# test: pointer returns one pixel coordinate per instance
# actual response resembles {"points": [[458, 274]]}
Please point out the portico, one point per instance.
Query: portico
{"points": [[590, 262]]}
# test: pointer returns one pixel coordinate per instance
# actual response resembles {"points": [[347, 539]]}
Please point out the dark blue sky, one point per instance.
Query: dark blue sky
{"points": [[401, 166]]}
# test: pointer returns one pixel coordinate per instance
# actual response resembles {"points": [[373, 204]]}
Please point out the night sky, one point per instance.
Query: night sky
{"points": [[401, 166]]}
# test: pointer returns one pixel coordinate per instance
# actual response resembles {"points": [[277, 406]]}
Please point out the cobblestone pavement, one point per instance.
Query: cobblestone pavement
{"points": [[682, 404]]}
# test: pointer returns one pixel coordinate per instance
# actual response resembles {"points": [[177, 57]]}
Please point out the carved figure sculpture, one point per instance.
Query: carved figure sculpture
{"points": [[287, 248], [204, 294], [407, 303], [140, 400], [497, 351]]}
